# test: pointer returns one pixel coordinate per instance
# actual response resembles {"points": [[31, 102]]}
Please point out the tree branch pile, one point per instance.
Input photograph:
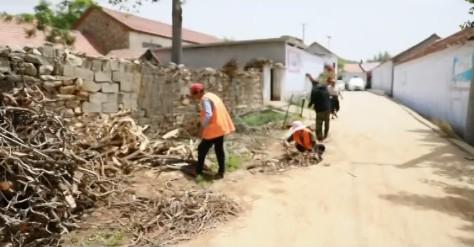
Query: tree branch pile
{"points": [[51, 170]]}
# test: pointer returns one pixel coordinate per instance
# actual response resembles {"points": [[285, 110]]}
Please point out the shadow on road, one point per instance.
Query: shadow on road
{"points": [[448, 162]]}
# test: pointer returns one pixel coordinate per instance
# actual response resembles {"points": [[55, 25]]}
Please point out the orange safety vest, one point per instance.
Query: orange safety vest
{"points": [[304, 138], [221, 123]]}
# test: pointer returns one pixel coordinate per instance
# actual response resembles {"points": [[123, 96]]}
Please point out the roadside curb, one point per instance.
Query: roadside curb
{"points": [[456, 142]]}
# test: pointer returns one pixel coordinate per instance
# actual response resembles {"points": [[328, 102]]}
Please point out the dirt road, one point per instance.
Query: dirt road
{"points": [[387, 180]]}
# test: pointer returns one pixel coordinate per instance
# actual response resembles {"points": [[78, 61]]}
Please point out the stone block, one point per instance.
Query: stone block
{"points": [[129, 101], [110, 107], [88, 107], [48, 78], [28, 69], [110, 65], [69, 70], [112, 97], [85, 74], [109, 87], [48, 51], [98, 98], [96, 65], [35, 59], [67, 89], [5, 65], [101, 76], [46, 69], [91, 86]]}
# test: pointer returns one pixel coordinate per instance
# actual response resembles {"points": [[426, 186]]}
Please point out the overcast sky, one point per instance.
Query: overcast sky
{"points": [[359, 28]]}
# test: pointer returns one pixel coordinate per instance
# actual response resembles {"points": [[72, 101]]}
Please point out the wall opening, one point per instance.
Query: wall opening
{"points": [[274, 86]]}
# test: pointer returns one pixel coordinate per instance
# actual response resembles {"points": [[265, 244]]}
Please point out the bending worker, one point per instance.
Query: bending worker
{"points": [[304, 139], [215, 124]]}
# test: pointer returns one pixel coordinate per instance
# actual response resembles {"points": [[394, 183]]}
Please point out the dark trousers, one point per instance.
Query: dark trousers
{"points": [[335, 104], [203, 149], [322, 118]]}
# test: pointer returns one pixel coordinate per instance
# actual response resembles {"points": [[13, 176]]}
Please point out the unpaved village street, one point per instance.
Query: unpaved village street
{"points": [[387, 180]]}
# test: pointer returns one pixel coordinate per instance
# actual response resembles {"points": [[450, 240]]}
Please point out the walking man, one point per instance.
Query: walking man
{"points": [[215, 124], [321, 102]]}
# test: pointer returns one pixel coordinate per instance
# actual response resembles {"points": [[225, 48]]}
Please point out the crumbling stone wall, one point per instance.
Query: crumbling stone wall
{"points": [[81, 85], [164, 90]]}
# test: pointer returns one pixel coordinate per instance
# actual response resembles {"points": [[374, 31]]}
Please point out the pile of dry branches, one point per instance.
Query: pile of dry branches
{"points": [[52, 169], [37, 172], [176, 216]]}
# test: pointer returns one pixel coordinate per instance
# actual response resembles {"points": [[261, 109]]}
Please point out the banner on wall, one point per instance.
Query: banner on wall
{"points": [[294, 62], [463, 71]]}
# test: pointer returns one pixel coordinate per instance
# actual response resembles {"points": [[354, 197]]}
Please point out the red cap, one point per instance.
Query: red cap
{"points": [[196, 88]]}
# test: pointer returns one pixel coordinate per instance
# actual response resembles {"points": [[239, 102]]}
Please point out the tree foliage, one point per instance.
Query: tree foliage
{"points": [[469, 23], [61, 16], [381, 57], [57, 20]]}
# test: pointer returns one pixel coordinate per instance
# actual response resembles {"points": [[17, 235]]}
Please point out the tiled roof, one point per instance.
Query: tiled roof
{"points": [[13, 34], [410, 51], [369, 66], [140, 24], [458, 38], [127, 53], [353, 68]]}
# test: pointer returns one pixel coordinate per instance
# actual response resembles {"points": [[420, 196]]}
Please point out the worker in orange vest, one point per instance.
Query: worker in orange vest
{"points": [[215, 124], [305, 140]]}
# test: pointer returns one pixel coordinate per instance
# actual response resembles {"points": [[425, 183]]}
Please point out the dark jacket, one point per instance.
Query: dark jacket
{"points": [[320, 99]]}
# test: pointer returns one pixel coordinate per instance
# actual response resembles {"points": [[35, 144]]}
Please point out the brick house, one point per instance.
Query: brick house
{"points": [[113, 30]]}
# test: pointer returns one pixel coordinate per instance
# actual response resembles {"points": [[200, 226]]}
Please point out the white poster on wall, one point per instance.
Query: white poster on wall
{"points": [[294, 62]]}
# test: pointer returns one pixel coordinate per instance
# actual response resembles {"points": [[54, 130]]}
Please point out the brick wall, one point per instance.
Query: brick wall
{"points": [[107, 33]]}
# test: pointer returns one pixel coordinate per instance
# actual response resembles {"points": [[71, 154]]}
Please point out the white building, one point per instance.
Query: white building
{"points": [[284, 77], [435, 81], [382, 76]]}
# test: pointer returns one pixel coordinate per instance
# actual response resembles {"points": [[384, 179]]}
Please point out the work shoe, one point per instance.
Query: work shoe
{"points": [[219, 176]]}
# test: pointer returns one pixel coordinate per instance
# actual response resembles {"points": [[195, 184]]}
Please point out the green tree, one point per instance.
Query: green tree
{"points": [[469, 23], [380, 57], [177, 14]]}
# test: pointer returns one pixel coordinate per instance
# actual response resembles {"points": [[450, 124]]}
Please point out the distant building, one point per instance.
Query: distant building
{"points": [[321, 51], [351, 70], [283, 76], [114, 30], [382, 76]]}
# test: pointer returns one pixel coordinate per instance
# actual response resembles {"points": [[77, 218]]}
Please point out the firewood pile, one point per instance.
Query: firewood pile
{"points": [[53, 169]]}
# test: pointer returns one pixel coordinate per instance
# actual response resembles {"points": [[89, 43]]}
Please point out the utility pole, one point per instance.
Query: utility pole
{"points": [[329, 41], [177, 50], [303, 25]]}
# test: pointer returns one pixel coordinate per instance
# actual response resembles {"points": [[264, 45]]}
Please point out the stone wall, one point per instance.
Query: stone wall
{"points": [[102, 85], [164, 90]]}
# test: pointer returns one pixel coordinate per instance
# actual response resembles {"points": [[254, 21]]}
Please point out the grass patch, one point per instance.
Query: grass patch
{"points": [[234, 163], [107, 238], [264, 117]]}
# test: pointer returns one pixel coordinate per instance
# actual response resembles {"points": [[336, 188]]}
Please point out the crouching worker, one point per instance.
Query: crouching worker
{"points": [[305, 140], [215, 124]]}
